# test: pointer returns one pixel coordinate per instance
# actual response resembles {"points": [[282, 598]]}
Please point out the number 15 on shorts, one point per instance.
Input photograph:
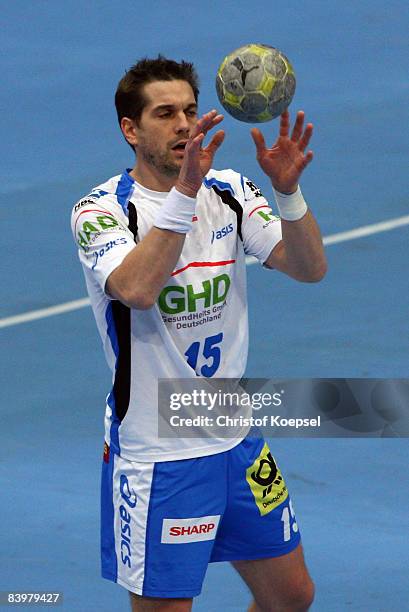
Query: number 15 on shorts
{"points": [[288, 512]]}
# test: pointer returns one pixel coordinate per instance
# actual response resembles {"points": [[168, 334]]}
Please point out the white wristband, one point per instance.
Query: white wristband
{"points": [[291, 206], [176, 212]]}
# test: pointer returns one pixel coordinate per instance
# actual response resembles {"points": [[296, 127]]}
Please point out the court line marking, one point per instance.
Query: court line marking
{"points": [[359, 232]]}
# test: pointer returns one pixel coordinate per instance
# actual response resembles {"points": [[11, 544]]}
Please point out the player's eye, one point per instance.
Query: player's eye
{"points": [[191, 113]]}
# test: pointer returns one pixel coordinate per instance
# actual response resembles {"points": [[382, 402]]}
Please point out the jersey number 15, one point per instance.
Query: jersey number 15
{"points": [[210, 352]]}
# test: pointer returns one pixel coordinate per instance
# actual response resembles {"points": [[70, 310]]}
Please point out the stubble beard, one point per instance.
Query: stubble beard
{"points": [[160, 161]]}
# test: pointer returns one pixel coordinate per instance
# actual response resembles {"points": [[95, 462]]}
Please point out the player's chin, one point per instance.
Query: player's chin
{"points": [[172, 167]]}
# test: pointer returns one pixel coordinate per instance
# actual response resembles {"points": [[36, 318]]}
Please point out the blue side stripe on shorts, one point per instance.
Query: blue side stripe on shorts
{"points": [[108, 553]]}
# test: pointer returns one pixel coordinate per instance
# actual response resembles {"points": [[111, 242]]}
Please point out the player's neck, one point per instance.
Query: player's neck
{"points": [[149, 177]]}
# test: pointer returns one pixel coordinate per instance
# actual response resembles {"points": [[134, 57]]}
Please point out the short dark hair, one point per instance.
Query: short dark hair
{"points": [[129, 98]]}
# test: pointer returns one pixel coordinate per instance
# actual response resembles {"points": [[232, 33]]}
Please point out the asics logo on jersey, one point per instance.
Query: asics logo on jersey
{"points": [[109, 245], [127, 493], [221, 233], [176, 298]]}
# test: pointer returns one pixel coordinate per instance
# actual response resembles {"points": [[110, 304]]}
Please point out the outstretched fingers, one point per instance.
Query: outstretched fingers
{"points": [[306, 137], [215, 142], [258, 140], [298, 127], [284, 124], [207, 122], [307, 159], [195, 142], [298, 136]]}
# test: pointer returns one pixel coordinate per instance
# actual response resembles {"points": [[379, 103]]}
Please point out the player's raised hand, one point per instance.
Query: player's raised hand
{"points": [[198, 160], [285, 161]]}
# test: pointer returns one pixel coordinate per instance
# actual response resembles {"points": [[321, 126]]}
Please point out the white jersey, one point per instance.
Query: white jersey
{"points": [[199, 325]]}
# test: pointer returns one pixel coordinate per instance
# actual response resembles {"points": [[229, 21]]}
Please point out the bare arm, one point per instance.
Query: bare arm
{"points": [[139, 279], [142, 274], [300, 253]]}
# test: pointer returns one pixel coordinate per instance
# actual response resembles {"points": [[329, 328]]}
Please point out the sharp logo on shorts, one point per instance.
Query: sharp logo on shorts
{"points": [[181, 531], [266, 482], [129, 496]]}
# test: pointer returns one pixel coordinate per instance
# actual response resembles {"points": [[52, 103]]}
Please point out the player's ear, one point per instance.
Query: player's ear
{"points": [[129, 130]]}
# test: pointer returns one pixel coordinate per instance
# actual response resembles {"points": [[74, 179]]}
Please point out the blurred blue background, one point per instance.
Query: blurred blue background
{"points": [[60, 63]]}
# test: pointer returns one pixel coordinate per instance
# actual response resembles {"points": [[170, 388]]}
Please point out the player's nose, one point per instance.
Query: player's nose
{"points": [[182, 124]]}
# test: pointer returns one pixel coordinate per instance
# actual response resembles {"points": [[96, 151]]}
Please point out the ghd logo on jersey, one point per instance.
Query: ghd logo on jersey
{"points": [[175, 299]]}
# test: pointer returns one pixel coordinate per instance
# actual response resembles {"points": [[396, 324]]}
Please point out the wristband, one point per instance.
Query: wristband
{"points": [[176, 212], [291, 206]]}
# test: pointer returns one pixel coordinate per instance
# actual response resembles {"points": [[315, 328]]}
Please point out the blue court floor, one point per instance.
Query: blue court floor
{"points": [[60, 64]]}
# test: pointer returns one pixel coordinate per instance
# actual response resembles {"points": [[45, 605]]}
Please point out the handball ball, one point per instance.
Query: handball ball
{"points": [[255, 83]]}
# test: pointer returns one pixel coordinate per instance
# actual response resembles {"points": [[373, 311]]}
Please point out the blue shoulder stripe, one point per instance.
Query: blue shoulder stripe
{"points": [[97, 193], [124, 190], [220, 184]]}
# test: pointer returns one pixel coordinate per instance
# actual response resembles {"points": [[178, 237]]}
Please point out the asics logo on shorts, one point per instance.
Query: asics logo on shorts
{"points": [[127, 494]]}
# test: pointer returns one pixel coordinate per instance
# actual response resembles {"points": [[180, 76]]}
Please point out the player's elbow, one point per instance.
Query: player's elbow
{"points": [[138, 300], [317, 272]]}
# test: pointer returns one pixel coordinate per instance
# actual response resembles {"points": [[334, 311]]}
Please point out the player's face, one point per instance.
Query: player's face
{"points": [[165, 125]]}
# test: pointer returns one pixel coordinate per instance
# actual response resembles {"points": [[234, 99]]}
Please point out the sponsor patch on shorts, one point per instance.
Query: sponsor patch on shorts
{"points": [[180, 531], [266, 482]]}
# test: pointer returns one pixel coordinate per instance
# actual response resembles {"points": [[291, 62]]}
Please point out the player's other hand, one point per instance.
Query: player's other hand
{"points": [[198, 160], [285, 161]]}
